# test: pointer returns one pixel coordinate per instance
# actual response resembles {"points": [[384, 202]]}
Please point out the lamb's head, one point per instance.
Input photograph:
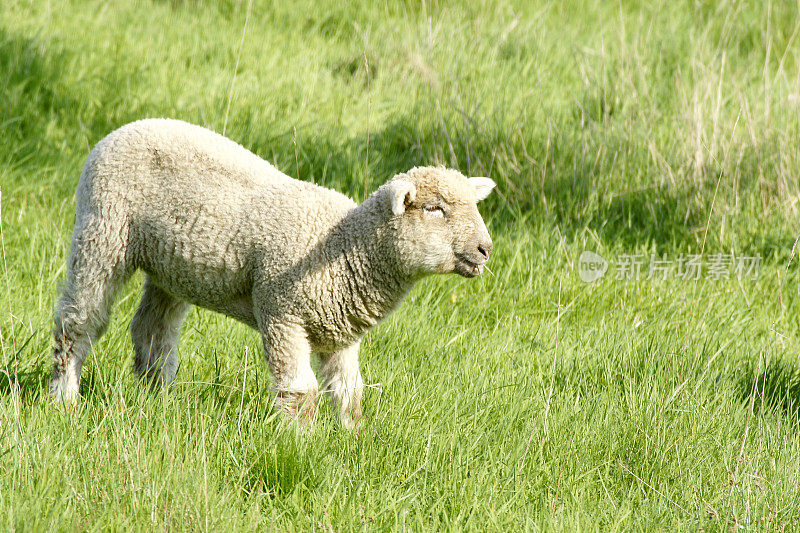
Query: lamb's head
{"points": [[438, 228]]}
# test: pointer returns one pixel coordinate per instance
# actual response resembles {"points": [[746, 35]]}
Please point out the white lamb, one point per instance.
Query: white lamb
{"points": [[214, 225]]}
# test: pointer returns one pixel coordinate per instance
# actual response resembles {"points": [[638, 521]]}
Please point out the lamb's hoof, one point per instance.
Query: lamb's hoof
{"points": [[298, 407], [352, 421], [63, 393]]}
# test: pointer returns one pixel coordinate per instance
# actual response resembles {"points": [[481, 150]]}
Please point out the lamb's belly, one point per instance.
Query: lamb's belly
{"points": [[202, 291], [202, 271], [238, 307]]}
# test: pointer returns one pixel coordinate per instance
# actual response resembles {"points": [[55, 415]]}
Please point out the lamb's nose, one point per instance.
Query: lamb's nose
{"points": [[485, 250]]}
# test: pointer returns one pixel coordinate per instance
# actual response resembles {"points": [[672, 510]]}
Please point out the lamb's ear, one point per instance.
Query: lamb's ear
{"points": [[400, 193], [483, 186]]}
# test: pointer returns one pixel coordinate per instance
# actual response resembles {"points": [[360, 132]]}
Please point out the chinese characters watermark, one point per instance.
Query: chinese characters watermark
{"points": [[693, 267]]}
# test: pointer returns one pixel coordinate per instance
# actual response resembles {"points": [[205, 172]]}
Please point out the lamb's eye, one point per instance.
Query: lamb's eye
{"points": [[434, 210]]}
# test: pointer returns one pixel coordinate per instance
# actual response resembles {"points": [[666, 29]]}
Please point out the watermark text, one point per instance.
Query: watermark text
{"points": [[693, 267]]}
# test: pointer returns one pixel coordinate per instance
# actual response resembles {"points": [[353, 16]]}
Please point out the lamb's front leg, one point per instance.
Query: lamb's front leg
{"points": [[288, 354], [343, 382]]}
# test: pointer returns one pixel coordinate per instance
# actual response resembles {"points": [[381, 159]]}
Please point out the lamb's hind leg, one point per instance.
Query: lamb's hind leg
{"points": [[155, 329], [343, 382], [95, 272]]}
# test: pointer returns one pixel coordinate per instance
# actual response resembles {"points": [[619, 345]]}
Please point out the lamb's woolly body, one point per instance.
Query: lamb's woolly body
{"points": [[215, 225], [210, 220]]}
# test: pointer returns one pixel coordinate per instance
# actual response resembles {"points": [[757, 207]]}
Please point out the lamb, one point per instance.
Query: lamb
{"points": [[212, 224]]}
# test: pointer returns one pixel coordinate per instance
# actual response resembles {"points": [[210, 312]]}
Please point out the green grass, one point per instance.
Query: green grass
{"points": [[525, 399]]}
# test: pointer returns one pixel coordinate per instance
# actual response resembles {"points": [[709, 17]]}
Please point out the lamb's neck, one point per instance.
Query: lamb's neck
{"points": [[381, 280]]}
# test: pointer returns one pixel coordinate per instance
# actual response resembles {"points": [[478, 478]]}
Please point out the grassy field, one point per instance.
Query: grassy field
{"points": [[526, 399]]}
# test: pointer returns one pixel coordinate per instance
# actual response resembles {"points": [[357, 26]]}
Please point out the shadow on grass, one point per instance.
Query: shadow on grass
{"points": [[30, 384], [281, 470], [774, 388], [33, 385]]}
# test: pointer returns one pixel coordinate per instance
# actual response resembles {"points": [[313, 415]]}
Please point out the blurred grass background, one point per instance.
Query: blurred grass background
{"points": [[523, 400]]}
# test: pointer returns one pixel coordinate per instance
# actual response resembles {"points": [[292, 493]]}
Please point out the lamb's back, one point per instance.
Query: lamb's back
{"points": [[202, 211]]}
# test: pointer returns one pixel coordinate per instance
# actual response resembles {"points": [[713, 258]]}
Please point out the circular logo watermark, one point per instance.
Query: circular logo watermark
{"points": [[591, 266]]}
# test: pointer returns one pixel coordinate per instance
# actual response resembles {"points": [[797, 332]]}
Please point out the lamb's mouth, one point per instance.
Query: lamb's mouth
{"points": [[467, 268]]}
